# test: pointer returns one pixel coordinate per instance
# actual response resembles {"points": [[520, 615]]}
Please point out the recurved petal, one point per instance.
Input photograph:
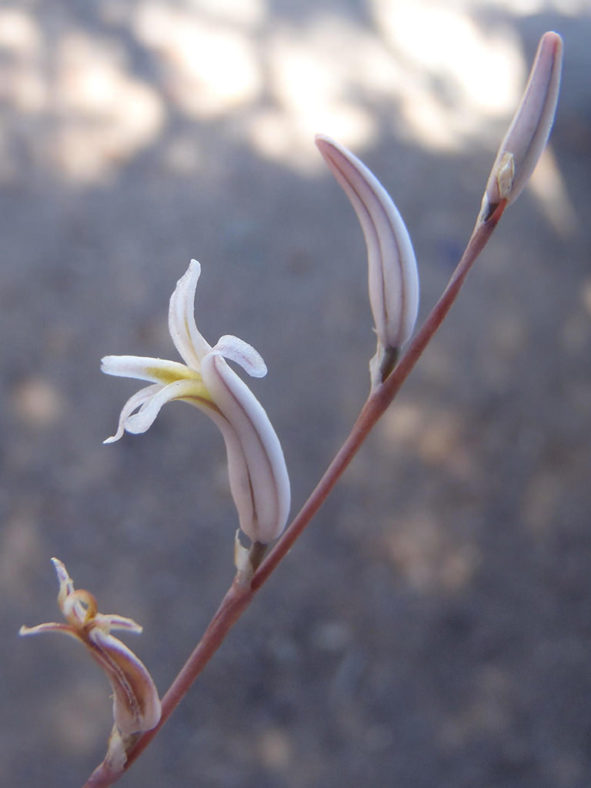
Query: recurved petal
{"points": [[181, 319], [393, 275], [109, 622], [242, 353], [140, 422], [530, 128], [133, 403], [136, 705], [50, 626], [267, 484], [66, 584]]}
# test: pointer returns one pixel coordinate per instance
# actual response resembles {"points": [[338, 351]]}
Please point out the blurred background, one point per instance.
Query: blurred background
{"points": [[433, 625]]}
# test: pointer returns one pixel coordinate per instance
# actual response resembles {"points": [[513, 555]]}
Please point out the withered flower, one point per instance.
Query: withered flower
{"points": [[136, 705]]}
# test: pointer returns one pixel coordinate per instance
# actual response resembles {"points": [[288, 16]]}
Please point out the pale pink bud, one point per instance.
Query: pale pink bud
{"points": [[529, 130], [392, 267]]}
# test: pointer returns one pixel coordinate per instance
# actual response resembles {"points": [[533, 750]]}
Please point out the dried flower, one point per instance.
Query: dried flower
{"points": [[259, 482], [393, 275], [136, 706], [529, 130]]}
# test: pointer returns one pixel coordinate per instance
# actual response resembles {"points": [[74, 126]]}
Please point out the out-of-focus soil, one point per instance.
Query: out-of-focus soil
{"points": [[432, 628]]}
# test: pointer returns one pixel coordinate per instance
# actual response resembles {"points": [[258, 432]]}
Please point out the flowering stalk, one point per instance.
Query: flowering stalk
{"points": [[381, 395], [240, 595]]}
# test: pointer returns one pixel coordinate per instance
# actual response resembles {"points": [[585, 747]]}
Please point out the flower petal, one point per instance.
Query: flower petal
{"points": [[111, 621], [157, 370], [263, 498], [151, 399], [141, 421], [50, 626], [242, 353], [238, 473], [393, 276], [136, 705], [181, 319], [66, 583], [132, 404], [164, 372]]}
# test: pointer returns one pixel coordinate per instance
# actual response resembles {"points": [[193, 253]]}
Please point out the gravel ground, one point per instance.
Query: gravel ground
{"points": [[433, 626]]}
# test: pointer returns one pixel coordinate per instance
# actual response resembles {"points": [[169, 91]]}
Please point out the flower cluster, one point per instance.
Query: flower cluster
{"points": [[259, 482]]}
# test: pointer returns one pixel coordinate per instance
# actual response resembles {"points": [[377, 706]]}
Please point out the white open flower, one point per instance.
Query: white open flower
{"points": [[392, 266], [259, 482]]}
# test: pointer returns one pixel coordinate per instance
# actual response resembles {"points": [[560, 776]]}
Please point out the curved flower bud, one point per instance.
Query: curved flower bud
{"points": [[136, 705], [393, 275], [529, 130], [259, 482]]}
